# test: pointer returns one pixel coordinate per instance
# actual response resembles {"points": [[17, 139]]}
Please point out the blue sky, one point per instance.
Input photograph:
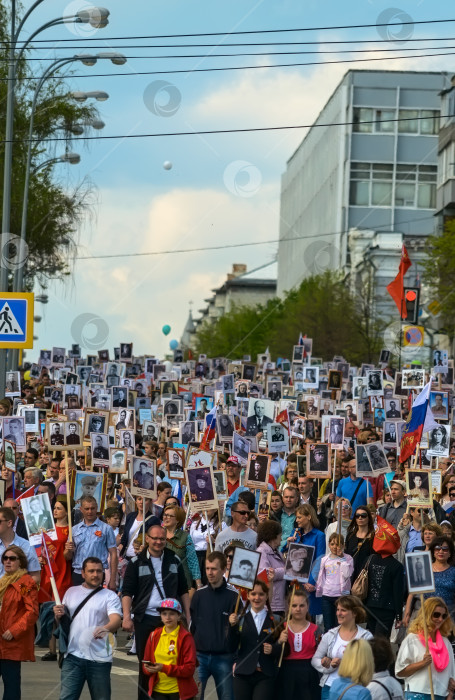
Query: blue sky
{"points": [[221, 189]]}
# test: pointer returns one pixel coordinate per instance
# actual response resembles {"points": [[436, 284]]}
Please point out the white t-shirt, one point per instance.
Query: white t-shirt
{"points": [[337, 653], [95, 613], [155, 596], [411, 651], [133, 533]]}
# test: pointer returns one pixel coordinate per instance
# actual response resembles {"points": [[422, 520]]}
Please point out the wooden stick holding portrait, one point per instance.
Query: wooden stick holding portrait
{"points": [[287, 624]]}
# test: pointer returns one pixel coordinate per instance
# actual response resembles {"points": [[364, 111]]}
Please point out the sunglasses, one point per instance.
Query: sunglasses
{"points": [[361, 515], [440, 548], [242, 512], [229, 556], [7, 558], [436, 615]]}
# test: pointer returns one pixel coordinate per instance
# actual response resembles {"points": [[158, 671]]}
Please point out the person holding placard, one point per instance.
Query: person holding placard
{"points": [[425, 659], [256, 662]]}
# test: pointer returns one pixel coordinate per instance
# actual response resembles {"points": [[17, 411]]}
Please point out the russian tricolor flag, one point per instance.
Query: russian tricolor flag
{"points": [[420, 421], [209, 432]]}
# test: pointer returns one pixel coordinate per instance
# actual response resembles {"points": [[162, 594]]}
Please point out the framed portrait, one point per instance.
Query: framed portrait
{"points": [[439, 404], [143, 473], [14, 431], [378, 417], [45, 359], [150, 431], [72, 431], [123, 419], [311, 377], [384, 357], [440, 361], [88, 484], [359, 388], [244, 568], [187, 432], [169, 388], [392, 409], [377, 457], [127, 441], [297, 353], [199, 458], [389, 435], [31, 418], [225, 427], [418, 488], [277, 438], [219, 477], [413, 378], [335, 380], [298, 562], [38, 518], [96, 421], [249, 372], [201, 488], [419, 572], [274, 388], [257, 470], [261, 412], [336, 432], [344, 368], [10, 455], [2, 490], [240, 447], [118, 460], [126, 352], [13, 384], [301, 465], [263, 500], [175, 462], [203, 405], [298, 427], [318, 460], [55, 433], [436, 481], [439, 441], [363, 466], [99, 443], [374, 382]]}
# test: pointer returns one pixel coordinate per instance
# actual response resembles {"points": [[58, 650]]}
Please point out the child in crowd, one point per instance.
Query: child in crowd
{"points": [[334, 578]]}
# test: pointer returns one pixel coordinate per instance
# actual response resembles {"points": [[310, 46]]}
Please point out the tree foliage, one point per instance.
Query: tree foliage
{"points": [[54, 212], [439, 275], [322, 307]]}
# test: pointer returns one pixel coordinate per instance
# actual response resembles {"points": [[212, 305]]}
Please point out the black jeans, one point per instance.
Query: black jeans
{"points": [[256, 686], [10, 671], [141, 634], [380, 621]]}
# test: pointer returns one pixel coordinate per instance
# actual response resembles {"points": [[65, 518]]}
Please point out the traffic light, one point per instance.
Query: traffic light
{"points": [[411, 301]]}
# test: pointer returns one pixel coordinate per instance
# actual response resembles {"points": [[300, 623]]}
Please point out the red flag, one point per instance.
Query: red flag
{"points": [[386, 540], [48, 551], [283, 418], [396, 288], [26, 494]]}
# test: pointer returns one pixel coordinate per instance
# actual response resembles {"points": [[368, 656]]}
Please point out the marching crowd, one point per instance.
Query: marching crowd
{"points": [[159, 566]]}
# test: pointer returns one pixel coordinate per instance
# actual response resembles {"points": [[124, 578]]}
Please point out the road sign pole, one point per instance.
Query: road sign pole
{"points": [[16, 327]]}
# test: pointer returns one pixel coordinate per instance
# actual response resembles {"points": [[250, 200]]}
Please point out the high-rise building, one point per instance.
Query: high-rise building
{"points": [[369, 163]]}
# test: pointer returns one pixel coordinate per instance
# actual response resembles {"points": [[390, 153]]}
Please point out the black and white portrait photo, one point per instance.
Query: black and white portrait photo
{"points": [[126, 440], [187, 432], [13, 384], [392, 409], [274, 389], [277, 438], [201, 488], [38, 517], [260, 414], [117, 460], [73, 434], [99, 443], [227, 382], [119, 396], [257, 470], [126, 352], [440, 361], [225, 427], [144, 477], [377, 457], [413, 378], [150, 431], [14, 431], [374, 382], [96, 423], [31, 417], [311, 377], [175, 462], [363, 466], [439, 441], [219, 477], [58, 357], [298, 562], [318, 460], [244, 567], [45, 359], [249, 372], [359, 388], [240, 447], [419, 572], [336, 432], [390, 433]]}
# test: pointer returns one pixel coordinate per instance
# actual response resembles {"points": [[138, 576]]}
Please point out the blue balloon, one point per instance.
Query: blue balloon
{"points": [[174, 344], [166, 329]]}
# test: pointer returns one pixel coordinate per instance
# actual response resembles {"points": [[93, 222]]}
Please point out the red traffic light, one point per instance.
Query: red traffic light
{"points": [[411, 295]]}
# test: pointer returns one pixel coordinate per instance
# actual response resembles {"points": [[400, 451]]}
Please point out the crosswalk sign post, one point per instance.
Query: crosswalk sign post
{"points": [[16, 320]]}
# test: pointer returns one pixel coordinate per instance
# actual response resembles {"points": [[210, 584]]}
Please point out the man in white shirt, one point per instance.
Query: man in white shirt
{"points": [[91, 636]]}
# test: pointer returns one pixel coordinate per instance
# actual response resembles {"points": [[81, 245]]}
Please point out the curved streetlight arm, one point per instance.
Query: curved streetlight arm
{"points": [[52, 23], [31, 9], [58, 159]]}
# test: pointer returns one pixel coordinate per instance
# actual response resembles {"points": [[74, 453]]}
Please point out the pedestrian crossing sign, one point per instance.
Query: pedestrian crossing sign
{"points": [[16, 320]]}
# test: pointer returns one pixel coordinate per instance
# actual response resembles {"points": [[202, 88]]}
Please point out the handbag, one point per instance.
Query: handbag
{"points": [[360, 586], [351, 685], [63, 630]]}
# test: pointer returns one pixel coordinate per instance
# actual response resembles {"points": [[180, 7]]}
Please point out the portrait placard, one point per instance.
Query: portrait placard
{"points": [[175, 462], [257, 470], [199, 458], [436, 481], [88, 484], [143, 472], [118, 460], [10, 455], [38, 518], [72, 432], [413, 379], [201, 488], [419, 572], [336, 432], [219, 477], [318, 460], [240, 447], [298, 562], [14, 431], [439, 441], [418, 488], [377, 457], [244, 568], [363, 466], [277, 438], [263, 500]]}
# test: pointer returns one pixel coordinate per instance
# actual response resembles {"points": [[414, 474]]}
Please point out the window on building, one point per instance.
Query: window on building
{"points": [[416, 186], [371, 185], [382, 126], [362, 115], [419, 121]]}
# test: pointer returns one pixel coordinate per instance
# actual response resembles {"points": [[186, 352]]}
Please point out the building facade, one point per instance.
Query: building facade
{"points": [[359, 168]]}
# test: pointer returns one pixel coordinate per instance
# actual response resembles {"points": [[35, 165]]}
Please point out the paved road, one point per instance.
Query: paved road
{"points": [[41, 680]]}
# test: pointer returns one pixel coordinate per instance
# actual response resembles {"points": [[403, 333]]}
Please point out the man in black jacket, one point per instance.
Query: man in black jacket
{"points": [[155, 574], [210, 610]]}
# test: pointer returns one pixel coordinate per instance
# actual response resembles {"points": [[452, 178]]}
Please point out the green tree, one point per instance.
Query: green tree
{"points": [[322, 307], [439, 275], [54, 213]]}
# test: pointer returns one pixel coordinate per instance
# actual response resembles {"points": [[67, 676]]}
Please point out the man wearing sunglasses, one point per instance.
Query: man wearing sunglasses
{"points": [[238, 530]]}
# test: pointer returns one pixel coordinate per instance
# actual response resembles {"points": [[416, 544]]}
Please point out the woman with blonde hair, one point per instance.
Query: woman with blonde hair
{"points": [[413, 658], [355, 672]]}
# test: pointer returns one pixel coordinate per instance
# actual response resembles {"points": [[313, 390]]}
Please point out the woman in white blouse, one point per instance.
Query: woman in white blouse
{"points": [[413, 660]]}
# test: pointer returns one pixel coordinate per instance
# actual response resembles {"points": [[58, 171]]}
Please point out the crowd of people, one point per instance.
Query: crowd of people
{"points": [[280, 568]]}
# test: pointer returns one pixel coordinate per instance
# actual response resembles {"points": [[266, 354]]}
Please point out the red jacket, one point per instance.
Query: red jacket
{"points": [[183, 670], [18, 614]]}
